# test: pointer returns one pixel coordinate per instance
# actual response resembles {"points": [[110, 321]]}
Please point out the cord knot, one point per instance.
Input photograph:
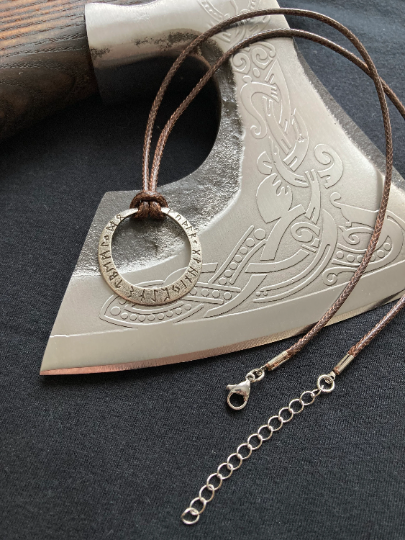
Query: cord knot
{"points": [[149, 204]]}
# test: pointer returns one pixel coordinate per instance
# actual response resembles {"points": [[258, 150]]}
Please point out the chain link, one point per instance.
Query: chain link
{"points": [[325, 385]]}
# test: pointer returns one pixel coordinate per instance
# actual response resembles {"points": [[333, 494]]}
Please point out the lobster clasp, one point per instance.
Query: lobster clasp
{"points": [[242, 389]]}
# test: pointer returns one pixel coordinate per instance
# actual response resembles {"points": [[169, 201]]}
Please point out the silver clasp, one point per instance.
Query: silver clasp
{"points": [[243, 388]]}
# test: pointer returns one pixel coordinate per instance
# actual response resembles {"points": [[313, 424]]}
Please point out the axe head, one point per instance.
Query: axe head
{"points": [[293, 187]]}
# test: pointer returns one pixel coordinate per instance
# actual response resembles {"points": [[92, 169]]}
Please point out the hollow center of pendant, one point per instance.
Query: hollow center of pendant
{"points": [[139, 244]]}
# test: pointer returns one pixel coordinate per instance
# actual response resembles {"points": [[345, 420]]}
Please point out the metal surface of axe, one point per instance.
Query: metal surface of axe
{"points": [[293, 188]]}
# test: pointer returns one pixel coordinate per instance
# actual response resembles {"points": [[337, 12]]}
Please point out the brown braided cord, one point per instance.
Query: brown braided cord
{"points": [[150, 181], [365, 340], [258, 37], [368, 67], [204, 37]]}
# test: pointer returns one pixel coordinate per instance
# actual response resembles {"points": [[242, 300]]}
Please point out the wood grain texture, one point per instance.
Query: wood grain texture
{"points": [[45, 60]]}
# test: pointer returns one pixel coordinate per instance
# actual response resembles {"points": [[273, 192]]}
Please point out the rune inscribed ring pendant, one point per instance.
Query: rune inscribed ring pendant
{"points": [[145, 295]]}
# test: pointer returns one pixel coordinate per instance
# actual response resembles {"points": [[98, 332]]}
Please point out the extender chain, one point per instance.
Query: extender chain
{"points": [[191, 515]]}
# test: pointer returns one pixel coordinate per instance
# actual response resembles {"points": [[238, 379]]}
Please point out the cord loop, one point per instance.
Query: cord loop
{"points": [[149, 204]]}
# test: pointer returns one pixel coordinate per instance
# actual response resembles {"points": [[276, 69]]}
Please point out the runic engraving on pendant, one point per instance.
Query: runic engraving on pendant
{"points": [[149, 296]]}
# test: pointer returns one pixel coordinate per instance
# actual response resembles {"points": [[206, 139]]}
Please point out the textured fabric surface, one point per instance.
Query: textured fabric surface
{"points": [[121, 455]]}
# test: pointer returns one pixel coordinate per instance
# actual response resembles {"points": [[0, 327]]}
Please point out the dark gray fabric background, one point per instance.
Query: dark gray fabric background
{"points": [[121, 455]]}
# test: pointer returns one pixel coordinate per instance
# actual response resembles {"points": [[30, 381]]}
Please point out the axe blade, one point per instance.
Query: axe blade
{"points": [[294, 187]]}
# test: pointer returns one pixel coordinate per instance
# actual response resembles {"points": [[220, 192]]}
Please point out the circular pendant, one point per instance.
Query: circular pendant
{"points": [[144, 295]]}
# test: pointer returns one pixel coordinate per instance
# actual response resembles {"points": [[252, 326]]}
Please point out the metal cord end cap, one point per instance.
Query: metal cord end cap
{"points": [[340, 366], [277, 361]]}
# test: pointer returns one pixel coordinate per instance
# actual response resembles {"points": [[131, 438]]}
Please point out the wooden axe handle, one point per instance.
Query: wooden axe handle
{"points": [[45, 61]]}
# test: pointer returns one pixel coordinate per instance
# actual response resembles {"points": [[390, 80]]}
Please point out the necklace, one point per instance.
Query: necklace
{"points": [[149, 203]]}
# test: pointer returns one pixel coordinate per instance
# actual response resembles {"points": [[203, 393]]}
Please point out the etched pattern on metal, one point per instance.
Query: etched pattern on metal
{"points": [[239, 32], [303, 234]]}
